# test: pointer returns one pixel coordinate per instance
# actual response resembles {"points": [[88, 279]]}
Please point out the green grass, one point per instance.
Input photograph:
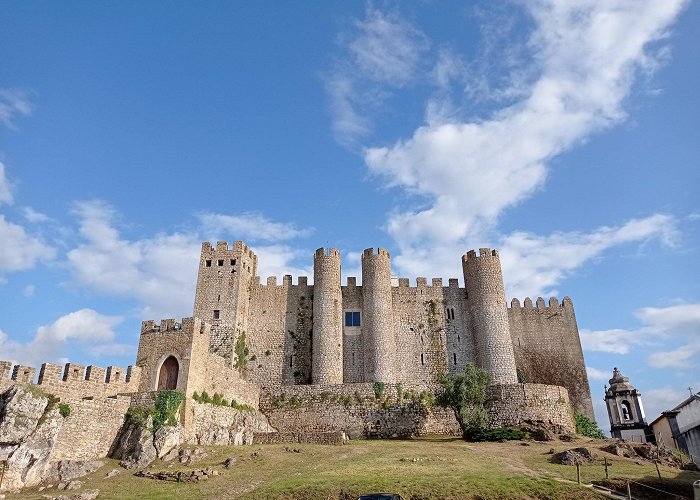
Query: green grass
{"points": [[445, 468]]}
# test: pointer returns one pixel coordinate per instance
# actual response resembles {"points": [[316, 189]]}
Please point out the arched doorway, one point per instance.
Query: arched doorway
{"points": [[167, 378]]}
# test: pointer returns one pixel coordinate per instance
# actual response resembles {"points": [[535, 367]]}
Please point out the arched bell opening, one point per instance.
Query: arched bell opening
{"points": [[167, 377]]}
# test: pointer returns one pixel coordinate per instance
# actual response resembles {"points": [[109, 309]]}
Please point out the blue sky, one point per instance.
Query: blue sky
{"points": [[563, 133]]}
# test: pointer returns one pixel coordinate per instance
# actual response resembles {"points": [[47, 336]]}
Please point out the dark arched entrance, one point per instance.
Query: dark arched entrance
{"points": [[167, 378]]}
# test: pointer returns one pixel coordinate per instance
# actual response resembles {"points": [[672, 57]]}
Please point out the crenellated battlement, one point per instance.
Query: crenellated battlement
{"points": [[186, 326], [423, 283], [483, 253], [222, 248], [352, 281], [540, 304], [369, 252], [73, 380], [287, 281], [331, 252]]}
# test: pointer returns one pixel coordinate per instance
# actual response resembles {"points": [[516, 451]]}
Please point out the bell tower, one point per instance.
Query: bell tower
{"points": [[625, 410]]}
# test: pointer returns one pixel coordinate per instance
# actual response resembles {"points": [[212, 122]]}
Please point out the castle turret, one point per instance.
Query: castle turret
{"points": [[489, 315], [223, 288], [327, 357], [377, 326]]}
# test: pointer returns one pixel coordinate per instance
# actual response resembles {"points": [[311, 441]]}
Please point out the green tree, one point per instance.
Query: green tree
{"points": [[465, 393]]}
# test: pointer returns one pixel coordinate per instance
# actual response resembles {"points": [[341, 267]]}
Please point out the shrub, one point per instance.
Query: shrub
{"points": [[378, 388], [138, 415], [497, 434], [241, 352], [64, 409], [216, 399], [195, 396], [587, 427], [399, 391]]}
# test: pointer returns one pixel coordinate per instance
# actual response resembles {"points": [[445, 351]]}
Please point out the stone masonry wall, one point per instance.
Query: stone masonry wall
{"points": [[279, 333], [512, 404], [73, 380], [548, 350], [91, 429], [354, 409]]}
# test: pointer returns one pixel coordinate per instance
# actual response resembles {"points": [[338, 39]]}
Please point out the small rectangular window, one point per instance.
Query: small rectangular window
{"points": [[221, 262], [207, 263], [217, 313], [233, 262], [352, 318]]}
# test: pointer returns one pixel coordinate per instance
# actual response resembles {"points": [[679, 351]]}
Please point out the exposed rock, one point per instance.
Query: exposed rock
{"points": [[74, 485], [65, 470], [26, 449], [20, 411], [180, 476], [83, 495], [166, 438], [191, 455], [537, 432], [135, 446], [229, 462], [171, 455], [620, 449], [567, 437], [574, 456], [113, 472]]}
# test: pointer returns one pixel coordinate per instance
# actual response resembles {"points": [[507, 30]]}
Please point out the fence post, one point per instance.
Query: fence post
{"points": [[629, 492], [578, 473], [657, 468]]}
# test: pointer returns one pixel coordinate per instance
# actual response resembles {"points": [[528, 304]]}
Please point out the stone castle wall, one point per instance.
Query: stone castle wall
{"points": [[548, 350], [512, 404], [72, 380], [92, 427], [407, 333]]}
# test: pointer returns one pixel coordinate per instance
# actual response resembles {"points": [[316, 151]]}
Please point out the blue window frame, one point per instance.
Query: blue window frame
{"points": [[352, 318]]}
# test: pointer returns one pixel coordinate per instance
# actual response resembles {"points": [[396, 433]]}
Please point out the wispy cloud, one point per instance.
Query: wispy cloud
{"points": [[249, 225], [676, 326], [379, 53], [5, 187], [13, 102]]}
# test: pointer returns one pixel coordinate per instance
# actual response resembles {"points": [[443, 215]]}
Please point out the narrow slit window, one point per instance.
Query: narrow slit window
{"points": [[422, 361], [454, 358], [291, 361]]}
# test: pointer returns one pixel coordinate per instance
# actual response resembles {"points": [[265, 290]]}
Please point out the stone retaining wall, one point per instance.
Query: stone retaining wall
{"points": [[331, 438], [511, 404]]}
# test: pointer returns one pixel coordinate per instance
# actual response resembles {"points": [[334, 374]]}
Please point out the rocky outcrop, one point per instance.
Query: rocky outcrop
{"points": [[28, 433], [138, 447], [574, 456], [220, 425]]}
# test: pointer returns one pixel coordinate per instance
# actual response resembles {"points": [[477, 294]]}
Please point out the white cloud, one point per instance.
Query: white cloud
{"points": [[32, 215], [53, 342], [251, 226], [585, 56], [28, 291], [676, 326], [596, 374], [13, 102], [277, 260], [20, 250], [553, 257], [657, 400], [5, 187], [159, 271]]}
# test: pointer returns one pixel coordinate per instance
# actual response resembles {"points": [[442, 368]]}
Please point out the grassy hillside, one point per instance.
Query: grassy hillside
{"points": [[436, 467]]}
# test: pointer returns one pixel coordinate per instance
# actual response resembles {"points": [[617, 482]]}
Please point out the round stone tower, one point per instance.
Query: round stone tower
{"points": [[489, 315], [327, 341], [377, 323]]}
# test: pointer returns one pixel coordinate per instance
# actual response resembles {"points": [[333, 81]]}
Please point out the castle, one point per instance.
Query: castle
{"points": [[321, 361]]}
